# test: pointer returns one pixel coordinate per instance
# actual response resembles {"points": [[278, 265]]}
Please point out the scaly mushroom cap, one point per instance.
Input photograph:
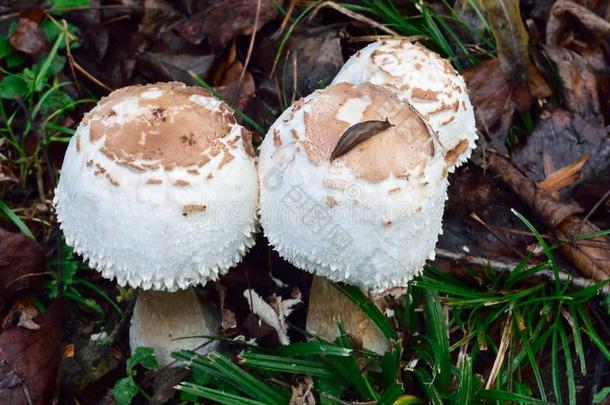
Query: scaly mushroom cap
{"points": [[159, 187], [370, 217], [425, 80]]}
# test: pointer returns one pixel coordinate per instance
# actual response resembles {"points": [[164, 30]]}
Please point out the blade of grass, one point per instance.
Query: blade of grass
{"points": [[4, 209], [216, 395]]}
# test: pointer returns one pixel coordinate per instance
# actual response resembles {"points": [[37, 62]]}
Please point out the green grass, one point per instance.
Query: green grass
{"points": [[445, 324]]}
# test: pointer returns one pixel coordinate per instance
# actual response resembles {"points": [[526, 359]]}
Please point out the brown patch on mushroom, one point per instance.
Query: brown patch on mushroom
{"points": [[193, 209], [226, 158], [154, 181], [397, 150], [452, 155], [77, 143], [394, 190], [89, 163], [418, 66], [330, 201], [294, 133], [246, 138], [193, 172], [277, 140], [181, 183], [387, 223], [209, 176], [429, 95], [448, 120], [176, 132], [112, 180], [442, 108]]}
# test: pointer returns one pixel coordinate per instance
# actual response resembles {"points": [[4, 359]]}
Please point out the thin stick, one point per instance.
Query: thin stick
{"points": [[249, 54], [354, 16], [575, 281]]}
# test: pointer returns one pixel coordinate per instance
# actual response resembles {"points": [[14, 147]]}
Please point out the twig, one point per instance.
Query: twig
{"points": [[495, 235], [286, 19], [354, 16], [249, 53], [575, 281]]}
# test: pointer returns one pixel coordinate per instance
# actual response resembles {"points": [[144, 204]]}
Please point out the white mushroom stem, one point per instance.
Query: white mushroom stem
{"points": [[160, 319], [328, 306]]}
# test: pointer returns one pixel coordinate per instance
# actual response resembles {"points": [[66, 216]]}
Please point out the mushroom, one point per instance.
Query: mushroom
{"points": [[426, 81], [370, 217], [159, 190]]}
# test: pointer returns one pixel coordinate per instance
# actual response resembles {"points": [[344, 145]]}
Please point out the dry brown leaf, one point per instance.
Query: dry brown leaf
{"points": [[559, 139], [225, 20], [29, 360], [564, 177], [580, 85], [22, 261], [302, 392], [495, 101], [28, 37], [562, 30]]}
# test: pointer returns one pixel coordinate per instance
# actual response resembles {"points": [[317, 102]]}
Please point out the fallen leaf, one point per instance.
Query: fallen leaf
{"points": [[22, 262], [302, 392], [570, 22], [273, 313], [240, 98], [562, 138], [580, 85], [29, 360], [28, 37], [317, 56], [171, 66], [21, 313], [564, 177], [495, 101], [225, 20]]}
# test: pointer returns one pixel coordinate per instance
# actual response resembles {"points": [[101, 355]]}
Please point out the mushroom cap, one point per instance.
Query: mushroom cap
{"points": [[159, 187], [425, 80], [370, 217]]}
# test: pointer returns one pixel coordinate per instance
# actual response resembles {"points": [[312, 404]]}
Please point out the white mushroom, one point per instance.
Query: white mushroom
{"points": [[369, 218], [425, 80], [159, 190]]}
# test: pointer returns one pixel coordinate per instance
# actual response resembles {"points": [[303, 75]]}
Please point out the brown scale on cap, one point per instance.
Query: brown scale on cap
{"points": [[452, 155], [393, 152], [173, 131]]}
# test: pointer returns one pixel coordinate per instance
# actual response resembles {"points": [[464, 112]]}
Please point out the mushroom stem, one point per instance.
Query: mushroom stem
{"points": [[328, 306], [161, 318]]}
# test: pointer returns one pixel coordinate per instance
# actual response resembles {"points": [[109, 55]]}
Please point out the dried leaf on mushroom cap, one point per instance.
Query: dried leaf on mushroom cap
{"points": [[149, 181], [425, 80], [361, 209]]}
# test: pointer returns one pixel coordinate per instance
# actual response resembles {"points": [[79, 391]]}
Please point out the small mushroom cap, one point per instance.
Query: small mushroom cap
{"points": [[425, 80], [159, 187], [370, 217]]}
